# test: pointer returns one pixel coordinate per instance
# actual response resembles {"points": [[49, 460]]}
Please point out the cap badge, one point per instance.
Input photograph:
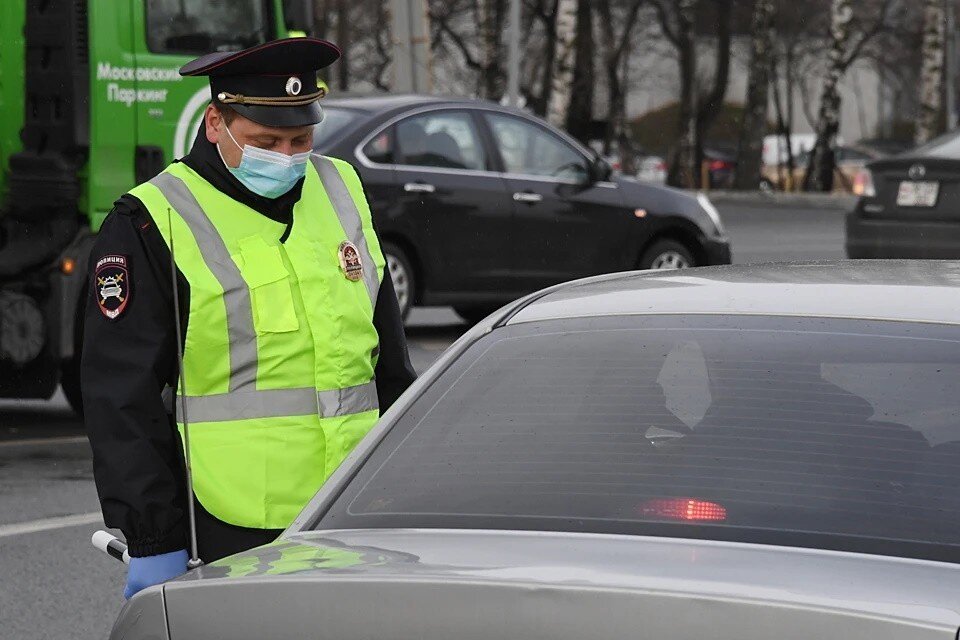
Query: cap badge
{"points": [[294, 86], [350, 261]]}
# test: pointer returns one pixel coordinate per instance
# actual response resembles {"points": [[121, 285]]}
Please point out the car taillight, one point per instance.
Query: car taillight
{"points": [[719, 165], [863, 184], [685, 509]]}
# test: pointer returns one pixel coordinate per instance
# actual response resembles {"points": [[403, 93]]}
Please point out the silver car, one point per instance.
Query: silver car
{"points": [[745, 453]]}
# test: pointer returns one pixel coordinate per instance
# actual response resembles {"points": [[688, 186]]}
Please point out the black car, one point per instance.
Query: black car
{"points": [[910, 206], [477, 204]]}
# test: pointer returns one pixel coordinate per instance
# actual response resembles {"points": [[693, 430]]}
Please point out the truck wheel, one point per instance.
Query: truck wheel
{"points": [[665, 255], [401, 272]]}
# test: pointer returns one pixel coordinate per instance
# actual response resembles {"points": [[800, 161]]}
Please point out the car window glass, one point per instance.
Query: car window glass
{"points": [[379, 149], [774, 430], [202, 26], [946, 146], [445, 139], [334, 122], [531, 150]]}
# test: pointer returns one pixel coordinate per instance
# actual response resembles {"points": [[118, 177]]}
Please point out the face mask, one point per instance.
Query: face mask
{"points": [[267, 173]]}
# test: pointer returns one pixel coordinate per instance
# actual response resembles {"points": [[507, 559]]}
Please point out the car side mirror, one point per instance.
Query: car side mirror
{"points": [[600, 170]]}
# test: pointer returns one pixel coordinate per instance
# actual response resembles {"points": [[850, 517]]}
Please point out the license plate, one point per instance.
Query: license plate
{"points": [[918, 194]]}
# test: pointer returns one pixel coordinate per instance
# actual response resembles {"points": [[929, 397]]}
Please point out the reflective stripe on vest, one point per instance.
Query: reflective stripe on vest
{"points": [[244, 401], [277, 403]]}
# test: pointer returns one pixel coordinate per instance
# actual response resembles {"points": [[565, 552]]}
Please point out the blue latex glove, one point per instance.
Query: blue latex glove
{"points": [[150, 570]]}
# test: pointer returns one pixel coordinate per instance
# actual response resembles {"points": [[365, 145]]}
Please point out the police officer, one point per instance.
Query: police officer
{"points": [[291, 336]]}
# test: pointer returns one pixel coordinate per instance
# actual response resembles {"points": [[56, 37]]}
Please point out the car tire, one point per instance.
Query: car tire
{"points": [[665, 255], [474, 314], [402, 274]]}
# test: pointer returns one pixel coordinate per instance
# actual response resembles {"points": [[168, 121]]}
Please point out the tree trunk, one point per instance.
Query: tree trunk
{"points": [[754, 126], [931, 70], [548, 16], [684, 168], [616, 62], [580, 112], [562, 81], [820, 170], [343, 41]]}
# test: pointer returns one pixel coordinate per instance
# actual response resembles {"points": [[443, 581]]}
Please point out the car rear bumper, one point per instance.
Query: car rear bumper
{"points": [[867, 238], [716, 251]]}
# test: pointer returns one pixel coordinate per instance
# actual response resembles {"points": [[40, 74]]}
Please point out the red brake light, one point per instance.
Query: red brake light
{"points": [[685, 509], [719, 165]]}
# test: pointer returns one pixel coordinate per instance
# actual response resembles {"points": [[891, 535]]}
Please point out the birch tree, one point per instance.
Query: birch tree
{"points": [[562, 80], [848, 38], [754, 126], [931, 70]]}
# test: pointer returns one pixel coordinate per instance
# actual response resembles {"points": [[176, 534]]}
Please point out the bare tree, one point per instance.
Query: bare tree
{"points": [[848, 38], [615, 54], [754, 126], [563, 60], [698, 110], [931, 70], [580, 109]]}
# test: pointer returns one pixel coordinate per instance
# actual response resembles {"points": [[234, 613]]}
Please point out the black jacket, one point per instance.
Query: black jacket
{"points": [[129, 360]]}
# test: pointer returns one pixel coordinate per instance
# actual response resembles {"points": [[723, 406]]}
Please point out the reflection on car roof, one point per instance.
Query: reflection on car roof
{"points": [[898, 290]]}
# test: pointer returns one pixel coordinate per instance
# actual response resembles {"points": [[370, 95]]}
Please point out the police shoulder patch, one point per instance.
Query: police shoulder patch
{"points": [[112, 285]]}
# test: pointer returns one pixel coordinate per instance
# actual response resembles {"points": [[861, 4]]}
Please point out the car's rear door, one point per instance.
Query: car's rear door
{"points": [[565, 226], [446, 188]]}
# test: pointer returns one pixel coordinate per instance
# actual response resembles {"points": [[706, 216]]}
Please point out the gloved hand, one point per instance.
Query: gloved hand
{"points": [[150, 570]]}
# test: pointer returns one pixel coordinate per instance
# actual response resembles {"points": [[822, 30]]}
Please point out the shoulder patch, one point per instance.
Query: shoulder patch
{"points": [[111, 286]]}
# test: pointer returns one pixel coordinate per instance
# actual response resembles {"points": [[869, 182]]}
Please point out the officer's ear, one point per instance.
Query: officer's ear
{"points": [[213, 121]]}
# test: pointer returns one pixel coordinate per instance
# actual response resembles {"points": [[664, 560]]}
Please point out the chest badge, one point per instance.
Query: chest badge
{"points": [[112, 288], [350, 261]]}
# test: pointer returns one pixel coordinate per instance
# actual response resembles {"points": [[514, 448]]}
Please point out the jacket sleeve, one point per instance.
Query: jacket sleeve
{"points": [[394, 371], [126, 362]]}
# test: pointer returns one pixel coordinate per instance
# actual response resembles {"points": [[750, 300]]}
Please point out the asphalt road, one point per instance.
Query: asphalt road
{"points": [[53, 584]]}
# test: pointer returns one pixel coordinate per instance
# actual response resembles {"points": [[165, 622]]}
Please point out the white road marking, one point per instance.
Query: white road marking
{"points": [[46, 524], [42, 441]]}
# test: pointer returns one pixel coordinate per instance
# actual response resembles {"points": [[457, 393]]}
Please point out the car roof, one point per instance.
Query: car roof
{"points": [[898, 290], [377, 103]]}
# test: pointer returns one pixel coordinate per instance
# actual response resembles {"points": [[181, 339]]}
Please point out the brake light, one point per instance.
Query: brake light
{"points": [[863, 184], [685, 509], [719, 165]]}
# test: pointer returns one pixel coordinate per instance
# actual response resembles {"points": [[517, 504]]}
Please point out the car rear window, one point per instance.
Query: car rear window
{"points": [[806, 432]]}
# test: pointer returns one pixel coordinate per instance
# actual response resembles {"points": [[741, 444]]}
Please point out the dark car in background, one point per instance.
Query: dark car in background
{"points": [[477, 204], [910, 206]]}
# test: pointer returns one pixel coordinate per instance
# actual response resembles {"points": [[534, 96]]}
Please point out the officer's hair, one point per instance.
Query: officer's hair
{"points": [[226, 113]]}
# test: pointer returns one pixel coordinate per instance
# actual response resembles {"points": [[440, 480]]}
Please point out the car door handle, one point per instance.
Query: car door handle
{"points": [[419, 187], [527, 196]]}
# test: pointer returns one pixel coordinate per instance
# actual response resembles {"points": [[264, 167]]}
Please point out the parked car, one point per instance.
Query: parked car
{"points": [[910, 206], [651, 168], [850, 162], [478, 204], [721, 166], [732, 452]]}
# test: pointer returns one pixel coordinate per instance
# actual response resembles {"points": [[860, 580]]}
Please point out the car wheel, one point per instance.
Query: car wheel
{"points": [[401, 272], [766, 186], [665, 255], [475, 314]]}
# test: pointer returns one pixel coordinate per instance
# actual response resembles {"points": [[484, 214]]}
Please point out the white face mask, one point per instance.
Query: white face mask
{"points": [[267, 173]]}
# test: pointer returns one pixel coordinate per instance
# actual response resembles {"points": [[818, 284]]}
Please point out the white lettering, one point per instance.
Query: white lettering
{"points": [[116, 94], [106, 71]]}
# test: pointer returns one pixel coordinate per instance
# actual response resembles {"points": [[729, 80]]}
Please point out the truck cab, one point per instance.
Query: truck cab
{"points": [[91, 104]]}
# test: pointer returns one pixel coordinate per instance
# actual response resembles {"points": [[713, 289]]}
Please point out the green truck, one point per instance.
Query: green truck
{"points": [[90, 105]]}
